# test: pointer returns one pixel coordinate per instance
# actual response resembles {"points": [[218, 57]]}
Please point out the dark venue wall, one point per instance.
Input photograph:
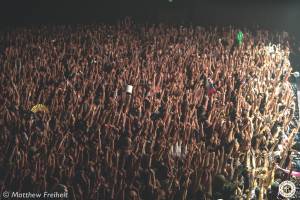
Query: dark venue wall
{"points": [[274, 15], [271, 14]]}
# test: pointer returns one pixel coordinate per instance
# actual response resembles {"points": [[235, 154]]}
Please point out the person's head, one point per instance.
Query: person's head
{"points": [[161, 195], [275, 188], [218, 182], [133, 195], [60, 188], [257, 191]]}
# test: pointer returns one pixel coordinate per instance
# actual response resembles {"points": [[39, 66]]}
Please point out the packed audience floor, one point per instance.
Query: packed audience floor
{"points": [[145, 112]]}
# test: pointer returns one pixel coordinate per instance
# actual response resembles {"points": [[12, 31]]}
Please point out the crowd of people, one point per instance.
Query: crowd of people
{"points": [[204, 119]]}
